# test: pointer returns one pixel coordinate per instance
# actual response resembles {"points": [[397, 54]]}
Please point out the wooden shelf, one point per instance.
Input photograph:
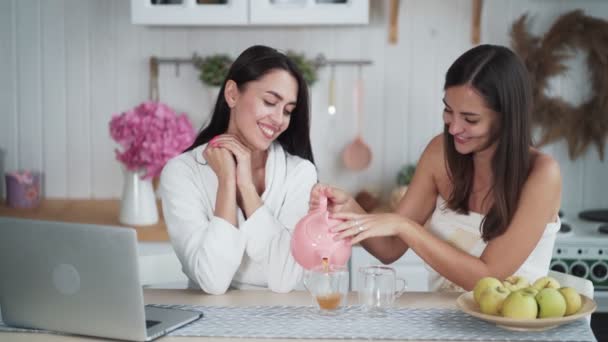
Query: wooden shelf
{"points": [[104, 212]]}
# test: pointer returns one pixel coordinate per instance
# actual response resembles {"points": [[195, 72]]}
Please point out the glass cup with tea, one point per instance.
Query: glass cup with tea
{"points": [[378, 288], [328, 285]]}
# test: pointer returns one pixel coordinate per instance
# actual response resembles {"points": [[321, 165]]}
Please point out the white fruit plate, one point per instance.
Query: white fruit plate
{"points": [[467, 303]]}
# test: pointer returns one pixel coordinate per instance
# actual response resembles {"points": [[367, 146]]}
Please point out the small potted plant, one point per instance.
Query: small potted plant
{"points": [[307, 67], [213, 70], [404, 177]]}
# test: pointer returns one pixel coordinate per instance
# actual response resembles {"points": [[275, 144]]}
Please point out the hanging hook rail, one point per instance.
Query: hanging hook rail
{"points": [[319, 61]]}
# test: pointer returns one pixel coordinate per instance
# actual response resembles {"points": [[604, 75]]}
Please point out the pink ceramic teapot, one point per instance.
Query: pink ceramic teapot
{"points": [[312, 241]]}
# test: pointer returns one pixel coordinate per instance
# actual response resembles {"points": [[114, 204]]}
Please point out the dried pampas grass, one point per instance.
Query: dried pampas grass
{"points": [[545, 57]]}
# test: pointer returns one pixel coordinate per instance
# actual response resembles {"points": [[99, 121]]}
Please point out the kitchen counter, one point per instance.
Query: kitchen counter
{"points": [[245, 298], [94, 211], [242, 298]]}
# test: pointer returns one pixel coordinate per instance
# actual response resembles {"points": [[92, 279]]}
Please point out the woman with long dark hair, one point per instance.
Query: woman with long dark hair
{"points": [[490, 201], [232, 199]]}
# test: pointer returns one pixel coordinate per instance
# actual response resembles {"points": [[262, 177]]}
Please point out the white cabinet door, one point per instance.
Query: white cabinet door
{"points": [[189, 12], [409, 267], [309, 12], [159, 266]]}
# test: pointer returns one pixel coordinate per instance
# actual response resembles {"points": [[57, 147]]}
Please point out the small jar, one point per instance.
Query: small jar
{"points": [[23, 189]]}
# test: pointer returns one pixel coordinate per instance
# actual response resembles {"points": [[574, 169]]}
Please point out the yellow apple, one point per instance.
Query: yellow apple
{"points": [[573, 300], [491, 300], [546, 281], [551, 303], [514, 283], [483, 284], [531, 289], [520, 305]]}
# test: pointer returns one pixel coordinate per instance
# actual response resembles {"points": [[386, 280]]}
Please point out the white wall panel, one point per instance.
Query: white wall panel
{"points": [[29, 107], [78, 78], [102, 101], [71, 64], [54, 107], [8, 91]]}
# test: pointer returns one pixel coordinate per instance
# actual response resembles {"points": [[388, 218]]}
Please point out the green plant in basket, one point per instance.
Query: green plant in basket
{"points": [[306, 66], [405, 175], [213, 69], [404, 178]]}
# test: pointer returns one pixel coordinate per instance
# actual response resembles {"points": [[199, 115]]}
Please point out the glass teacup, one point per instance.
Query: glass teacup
{"points": [[328, 285], [378, 288]]}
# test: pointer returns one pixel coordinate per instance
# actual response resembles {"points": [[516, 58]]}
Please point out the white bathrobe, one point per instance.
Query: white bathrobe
{"points": [[215, 254]]}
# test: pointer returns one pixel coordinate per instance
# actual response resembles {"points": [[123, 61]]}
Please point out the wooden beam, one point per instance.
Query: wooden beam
{"points": [[393, 28], [476, 22]]}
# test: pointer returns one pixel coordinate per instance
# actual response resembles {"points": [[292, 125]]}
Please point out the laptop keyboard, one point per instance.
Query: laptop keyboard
{"points": [[150, 323]]}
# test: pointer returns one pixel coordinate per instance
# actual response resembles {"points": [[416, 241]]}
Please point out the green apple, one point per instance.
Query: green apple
{"points": [[551, 303], [573, 300], [546, 281], [483, 284], [514, 283], [520, 305], [531, 289], [491, 300]]}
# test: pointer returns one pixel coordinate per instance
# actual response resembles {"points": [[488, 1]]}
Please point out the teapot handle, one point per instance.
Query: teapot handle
{"points": [[322, 203]]}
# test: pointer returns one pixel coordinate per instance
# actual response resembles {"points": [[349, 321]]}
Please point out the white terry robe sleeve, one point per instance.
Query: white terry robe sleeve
{"points": [[269, 238], [209, 248]]}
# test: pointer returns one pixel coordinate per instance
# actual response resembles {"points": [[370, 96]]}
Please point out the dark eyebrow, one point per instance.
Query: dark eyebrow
{"points": [[445, 103], [463, 113], [279, 97]]}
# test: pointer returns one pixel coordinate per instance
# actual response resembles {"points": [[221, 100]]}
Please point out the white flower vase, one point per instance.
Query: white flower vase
{"points": [[138, 204]]}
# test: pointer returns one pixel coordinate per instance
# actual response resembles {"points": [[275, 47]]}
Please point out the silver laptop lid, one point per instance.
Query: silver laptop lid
{"points": [[70, 277]]}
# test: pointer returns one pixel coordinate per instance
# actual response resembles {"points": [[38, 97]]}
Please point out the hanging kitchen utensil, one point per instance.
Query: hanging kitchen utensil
{"points": [[153, 85], [331, 107], [476, 22], [393, 28], [357, 155]]}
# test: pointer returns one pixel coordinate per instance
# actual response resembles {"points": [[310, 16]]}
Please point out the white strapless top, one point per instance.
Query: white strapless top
{"points": [[462, 232]]}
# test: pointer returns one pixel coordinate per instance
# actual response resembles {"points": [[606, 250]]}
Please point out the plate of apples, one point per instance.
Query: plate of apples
{"points": [[517, 304]]}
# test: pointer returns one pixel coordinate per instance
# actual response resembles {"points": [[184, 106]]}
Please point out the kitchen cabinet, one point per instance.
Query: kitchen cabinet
{"points": [[309, 12], [409, 267], [159, 267], [189, 12], [249, 12]]}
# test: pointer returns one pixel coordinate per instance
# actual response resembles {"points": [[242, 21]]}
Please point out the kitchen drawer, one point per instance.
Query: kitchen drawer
{"points": [[409, 267], [159, 267]]}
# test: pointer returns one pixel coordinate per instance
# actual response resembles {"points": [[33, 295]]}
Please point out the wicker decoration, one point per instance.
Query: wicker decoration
{"points": [[544, 57]]}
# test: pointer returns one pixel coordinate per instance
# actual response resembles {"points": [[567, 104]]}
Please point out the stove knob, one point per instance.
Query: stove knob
{"points": [[579, 269], [559, 266], [599, 271]]}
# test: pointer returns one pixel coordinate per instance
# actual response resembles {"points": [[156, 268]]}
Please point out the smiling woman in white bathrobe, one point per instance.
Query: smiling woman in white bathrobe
{"points": [[232, 199]]}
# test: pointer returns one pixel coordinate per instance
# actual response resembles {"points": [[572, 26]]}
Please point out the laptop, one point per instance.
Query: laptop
{"points": [[78, 278]]}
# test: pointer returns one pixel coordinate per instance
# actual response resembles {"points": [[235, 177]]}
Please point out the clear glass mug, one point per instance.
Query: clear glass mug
{"points": [[378, 289], [328, 286]]}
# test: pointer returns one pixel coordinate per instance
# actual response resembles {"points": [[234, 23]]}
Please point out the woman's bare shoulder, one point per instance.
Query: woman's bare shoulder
{"points": [[432, 162], [544, 165], [433, 153], [544, 172]]}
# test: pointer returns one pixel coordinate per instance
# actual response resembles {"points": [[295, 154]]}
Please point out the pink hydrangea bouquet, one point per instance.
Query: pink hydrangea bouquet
{"points": [[150, 134]]}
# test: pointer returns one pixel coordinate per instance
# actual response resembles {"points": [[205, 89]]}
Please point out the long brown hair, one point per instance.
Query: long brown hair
{"points": [[500, 77]]}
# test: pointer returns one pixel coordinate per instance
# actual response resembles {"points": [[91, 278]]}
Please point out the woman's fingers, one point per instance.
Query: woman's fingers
{"points": [[347, 216], [352, 228], [353, 220]]}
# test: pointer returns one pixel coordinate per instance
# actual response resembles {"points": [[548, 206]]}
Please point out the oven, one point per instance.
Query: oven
{"points": [[581, 249]]}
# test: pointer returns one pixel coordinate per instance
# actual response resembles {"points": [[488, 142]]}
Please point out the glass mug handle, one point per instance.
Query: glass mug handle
{"points": [[402, 288]]}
